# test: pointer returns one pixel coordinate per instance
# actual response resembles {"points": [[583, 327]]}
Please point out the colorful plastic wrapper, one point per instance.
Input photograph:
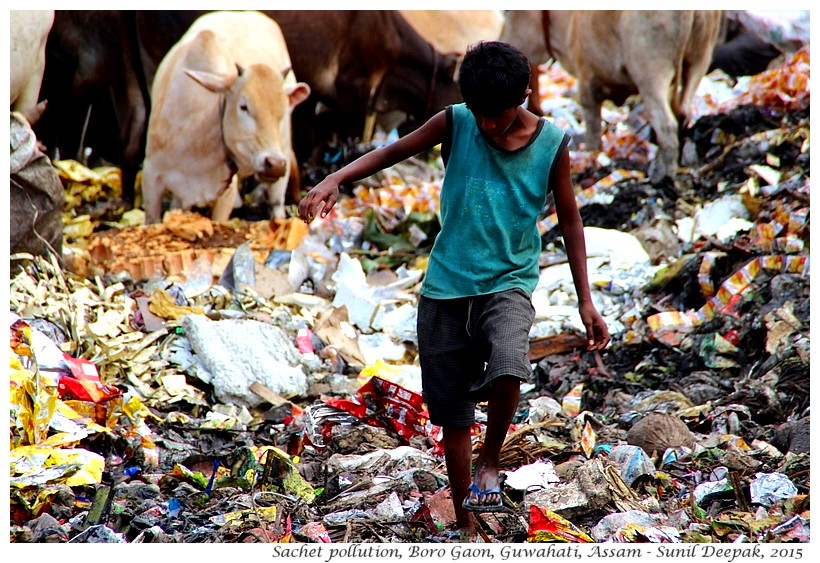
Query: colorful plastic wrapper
{"points": [[319, 420], [315, 531], [20, 338], [717, 352], [196, 477], [32, 397], [303, 341], [571, 403], [476, 432], [239, 517], [783, 232], [707, 288], [797, 220], [588, 439], [32, 402], [547, 526], [100, 417], [44, 500], [421, 513], [384, 403], [391, 372], [671, 455], [36, 465], [789, 244], [786, 87], [727, 295], [633, 462], [769, 488], [401, 409], [83, 383], [795, 528], [765, 234], [621, 144], [709, 487], [137, 413], [291, 480], [732, 336]]}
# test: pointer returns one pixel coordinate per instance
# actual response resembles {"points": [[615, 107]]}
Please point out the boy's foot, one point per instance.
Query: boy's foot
{"points": [[487, 499]]}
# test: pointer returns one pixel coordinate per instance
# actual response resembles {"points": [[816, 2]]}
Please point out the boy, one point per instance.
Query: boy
{"points": [[475, 310]]}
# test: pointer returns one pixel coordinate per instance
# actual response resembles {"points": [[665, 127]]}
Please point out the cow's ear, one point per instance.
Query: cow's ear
{"points": [[297, 93], [211, 81]]}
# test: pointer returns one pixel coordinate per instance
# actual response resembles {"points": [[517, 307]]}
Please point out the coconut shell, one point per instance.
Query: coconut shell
{"points": [[658, 431]]}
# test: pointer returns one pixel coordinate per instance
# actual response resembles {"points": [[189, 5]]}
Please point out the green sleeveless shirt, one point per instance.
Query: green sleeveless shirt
{"points": [[490, 201]]}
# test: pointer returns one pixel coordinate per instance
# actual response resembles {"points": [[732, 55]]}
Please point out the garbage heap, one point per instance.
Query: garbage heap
{"points": [[258, 381]]}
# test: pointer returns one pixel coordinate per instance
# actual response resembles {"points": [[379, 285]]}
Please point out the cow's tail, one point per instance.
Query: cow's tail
{"points": [[679, 81], [703, 32]]}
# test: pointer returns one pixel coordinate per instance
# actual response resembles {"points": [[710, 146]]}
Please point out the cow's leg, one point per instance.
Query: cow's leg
{"points": [[27, 101], [276, 198], [152, 192], [665, 125], [34, 113], [534, 101], [226, 201], [588, 90], [657, 89], [294, 188], [132, 121], [29, 93]]}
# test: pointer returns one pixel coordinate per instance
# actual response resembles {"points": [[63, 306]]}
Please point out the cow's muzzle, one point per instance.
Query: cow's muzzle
{"points": [[271, 168]]}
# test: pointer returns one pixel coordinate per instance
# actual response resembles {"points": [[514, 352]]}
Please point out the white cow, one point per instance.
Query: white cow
{"points": [[221, 112], [28, 33]]}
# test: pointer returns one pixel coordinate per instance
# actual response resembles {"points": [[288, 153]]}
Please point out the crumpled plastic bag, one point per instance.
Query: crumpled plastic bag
{"points": [[788, 30]]}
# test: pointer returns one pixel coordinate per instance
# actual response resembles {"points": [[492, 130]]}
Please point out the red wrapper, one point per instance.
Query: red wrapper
{"points": [[83, 383], [388, 405]]}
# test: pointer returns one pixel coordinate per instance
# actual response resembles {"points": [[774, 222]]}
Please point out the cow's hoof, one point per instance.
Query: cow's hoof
{"points": [[658, 171]]}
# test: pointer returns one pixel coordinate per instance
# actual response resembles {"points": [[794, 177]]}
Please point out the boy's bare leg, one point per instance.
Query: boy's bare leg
{"points": [[458, 453], [501, 409]]}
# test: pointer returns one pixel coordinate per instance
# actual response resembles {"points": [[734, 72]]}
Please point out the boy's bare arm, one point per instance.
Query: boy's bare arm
{"points": [[321, 199], [572, 230]]}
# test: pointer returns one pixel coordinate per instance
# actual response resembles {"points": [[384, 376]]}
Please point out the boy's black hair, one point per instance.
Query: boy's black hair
{"points": [[493, 77]]}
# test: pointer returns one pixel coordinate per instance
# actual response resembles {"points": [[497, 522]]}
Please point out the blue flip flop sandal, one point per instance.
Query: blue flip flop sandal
{"points": [[497, 507]]}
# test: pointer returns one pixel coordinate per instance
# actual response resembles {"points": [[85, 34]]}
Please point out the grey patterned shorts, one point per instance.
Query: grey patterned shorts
{"points": [[464, 344]]}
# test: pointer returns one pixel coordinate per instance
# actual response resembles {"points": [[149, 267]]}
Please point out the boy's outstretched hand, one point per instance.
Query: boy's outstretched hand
{"points": [[597, 332], [319, 201]]}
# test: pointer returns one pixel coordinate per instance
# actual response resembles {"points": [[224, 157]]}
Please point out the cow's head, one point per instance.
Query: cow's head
{"points": [[256, 109]]}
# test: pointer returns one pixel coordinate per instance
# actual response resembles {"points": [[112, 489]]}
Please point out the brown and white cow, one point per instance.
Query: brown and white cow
{"points": [[29, 31], [661, 55], [221, 105], [360, 63], [449, 32], [452, 31]]}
